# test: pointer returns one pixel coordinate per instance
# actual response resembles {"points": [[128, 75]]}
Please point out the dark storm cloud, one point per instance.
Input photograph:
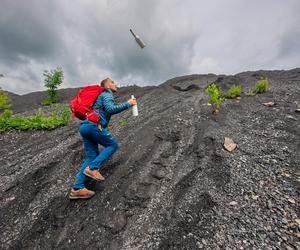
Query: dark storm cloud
{"points": [[91, 40], [28, 31]]}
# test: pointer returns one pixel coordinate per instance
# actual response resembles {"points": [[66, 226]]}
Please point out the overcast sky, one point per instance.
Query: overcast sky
{"points": [[90, 39]]}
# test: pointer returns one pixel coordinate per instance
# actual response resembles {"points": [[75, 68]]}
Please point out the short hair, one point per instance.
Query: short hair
{"points": [[104, 81]]}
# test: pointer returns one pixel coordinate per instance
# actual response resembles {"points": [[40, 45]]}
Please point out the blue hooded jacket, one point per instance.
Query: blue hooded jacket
{"points": [[105, 107]]}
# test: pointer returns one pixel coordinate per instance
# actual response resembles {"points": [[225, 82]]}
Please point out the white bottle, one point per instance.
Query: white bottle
{"points": [[138, 39], [134, 108]]}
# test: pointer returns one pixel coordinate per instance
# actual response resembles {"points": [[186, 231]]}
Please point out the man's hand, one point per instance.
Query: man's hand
{"points": [[132, 102]]}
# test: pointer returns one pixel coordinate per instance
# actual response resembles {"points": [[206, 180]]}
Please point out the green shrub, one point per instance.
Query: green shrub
{"points": [[234, 91], [122, 122], [262, 86], [216, 96], [52, 80], [4, 100], [59, 116]]}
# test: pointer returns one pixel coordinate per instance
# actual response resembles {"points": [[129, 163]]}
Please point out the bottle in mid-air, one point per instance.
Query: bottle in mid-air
{"points": [[138, 39]]}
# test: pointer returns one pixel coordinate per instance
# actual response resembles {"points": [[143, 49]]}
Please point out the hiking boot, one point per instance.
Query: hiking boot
{"points": [[82, 193], [94, 174]]}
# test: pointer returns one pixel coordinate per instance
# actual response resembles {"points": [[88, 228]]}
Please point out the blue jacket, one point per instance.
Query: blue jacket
{"points": [[105, 102]]}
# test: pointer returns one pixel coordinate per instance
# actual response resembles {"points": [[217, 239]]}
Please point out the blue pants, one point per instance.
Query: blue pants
{"points": [[92, 136]]}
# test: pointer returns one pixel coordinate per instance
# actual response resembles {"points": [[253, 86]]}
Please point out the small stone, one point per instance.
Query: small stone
{"points": [[297, 110], [229, 144], [199, 245], [159, 174], [10, 198], [291, 200], [289, 248], [233, 203], [238, 98], [286, 175], [269, 104], [291, 117], [274, 160], [204, 242], [297, 221]]}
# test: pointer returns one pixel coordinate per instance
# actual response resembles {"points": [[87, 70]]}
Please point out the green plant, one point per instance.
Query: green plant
{"points": [[122, 122], [4, 100], [216, 96], [251, 92], [52, 80], [262, 86], [59, 116], [234, 91]]}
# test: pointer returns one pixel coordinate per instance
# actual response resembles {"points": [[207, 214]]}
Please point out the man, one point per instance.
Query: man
{"points": [[94, 134]]}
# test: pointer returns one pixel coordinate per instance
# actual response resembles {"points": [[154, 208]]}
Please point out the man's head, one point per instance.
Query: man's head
{"points": [[109, 84]]}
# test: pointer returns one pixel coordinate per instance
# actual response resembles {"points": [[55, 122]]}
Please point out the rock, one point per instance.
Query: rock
{"points": [[269, 104], [291, 117], [233, 203], [297, 110], [291, 200], [229, 144], [199, 245], [159, 174]]}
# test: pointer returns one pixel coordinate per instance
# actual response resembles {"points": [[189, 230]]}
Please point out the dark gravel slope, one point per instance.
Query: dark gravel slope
{"points": [[171, 185]]}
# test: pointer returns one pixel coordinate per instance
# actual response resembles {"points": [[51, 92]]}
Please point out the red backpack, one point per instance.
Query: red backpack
{"points": [[82, 103]]}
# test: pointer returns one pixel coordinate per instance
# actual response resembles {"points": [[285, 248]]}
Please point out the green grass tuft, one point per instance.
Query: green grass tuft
{"points": [[234, 91], [122, 123], [261, 86]]}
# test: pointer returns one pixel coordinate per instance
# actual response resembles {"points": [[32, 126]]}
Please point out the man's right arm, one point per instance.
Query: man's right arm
{"points": [[110, 106]]}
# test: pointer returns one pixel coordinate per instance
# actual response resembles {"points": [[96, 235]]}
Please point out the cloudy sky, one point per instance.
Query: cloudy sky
{"points": [[90, 39]]}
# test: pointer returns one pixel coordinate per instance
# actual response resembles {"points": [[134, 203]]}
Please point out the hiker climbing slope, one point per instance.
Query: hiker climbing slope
{"points": [[94, 132]]}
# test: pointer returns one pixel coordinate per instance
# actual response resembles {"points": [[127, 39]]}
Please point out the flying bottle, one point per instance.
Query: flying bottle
{"points": [[138, 39]]}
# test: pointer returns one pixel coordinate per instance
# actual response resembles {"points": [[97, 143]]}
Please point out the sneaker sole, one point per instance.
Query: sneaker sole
{"points": [[79, 197], [92, 176]]}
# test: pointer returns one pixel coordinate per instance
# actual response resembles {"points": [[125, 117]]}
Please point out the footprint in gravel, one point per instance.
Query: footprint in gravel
{"points": [[188, 88], [138, 195], [169, 135], [115, 221], [192, 215], [218, 171]]}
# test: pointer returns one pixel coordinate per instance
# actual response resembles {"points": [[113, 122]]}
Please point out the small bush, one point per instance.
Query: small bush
{"points": [[59, 116], [216, 96], [4, 100], [262, 86], [234, 91], [52, 80]]}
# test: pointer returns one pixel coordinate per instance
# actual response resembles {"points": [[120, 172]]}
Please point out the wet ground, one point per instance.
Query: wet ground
{"points": [[171, 185]]}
